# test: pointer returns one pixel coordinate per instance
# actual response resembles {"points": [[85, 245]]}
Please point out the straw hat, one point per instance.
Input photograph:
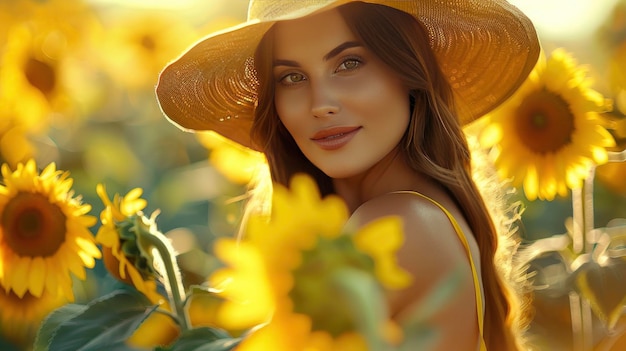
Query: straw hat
{"points": [[486, 48]]}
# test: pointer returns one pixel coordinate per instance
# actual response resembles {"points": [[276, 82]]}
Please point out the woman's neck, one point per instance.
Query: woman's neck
{"points": [[390, 174]]}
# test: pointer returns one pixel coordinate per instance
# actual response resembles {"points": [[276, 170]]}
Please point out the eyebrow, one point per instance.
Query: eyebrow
{"points": [[332, 53], [336, 51]]}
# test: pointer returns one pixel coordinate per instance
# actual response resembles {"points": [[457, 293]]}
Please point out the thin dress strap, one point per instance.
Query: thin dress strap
{"points": [[459, 232]]}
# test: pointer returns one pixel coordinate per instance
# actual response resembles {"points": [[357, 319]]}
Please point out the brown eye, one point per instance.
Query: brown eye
{"points": [[349, 64], [292, 78]]}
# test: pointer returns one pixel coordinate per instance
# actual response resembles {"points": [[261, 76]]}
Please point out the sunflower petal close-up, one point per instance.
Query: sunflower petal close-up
{"points": [[237, 163], [381, 240]]}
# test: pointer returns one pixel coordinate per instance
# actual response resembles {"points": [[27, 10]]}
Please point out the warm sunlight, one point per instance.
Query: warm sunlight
{"points": [[565, 19], [266, 223]]}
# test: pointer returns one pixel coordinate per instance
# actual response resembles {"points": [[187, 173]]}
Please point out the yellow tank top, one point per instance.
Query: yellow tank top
{"points": [[477, 289]]}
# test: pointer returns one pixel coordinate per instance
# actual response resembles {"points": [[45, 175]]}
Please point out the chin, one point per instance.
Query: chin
{"points": [[339, 172]]}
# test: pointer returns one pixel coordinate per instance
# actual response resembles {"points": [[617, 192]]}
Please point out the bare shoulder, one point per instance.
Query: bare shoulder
{"points": [[431, 251], [423, 220], [427, 229]]}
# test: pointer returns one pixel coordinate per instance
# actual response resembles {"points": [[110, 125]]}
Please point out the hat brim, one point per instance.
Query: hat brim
{"points": [[486, 49]]}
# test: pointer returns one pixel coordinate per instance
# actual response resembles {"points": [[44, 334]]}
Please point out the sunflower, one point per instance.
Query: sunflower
{"points": [[283, 271], [38, 58], [123, 260], [122, 257], [143, 43], [550, 133], [44, 232], [237, 163], [20, 317]]}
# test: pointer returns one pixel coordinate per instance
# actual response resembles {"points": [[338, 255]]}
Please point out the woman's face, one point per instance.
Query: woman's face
{"points": [[344, 107]]}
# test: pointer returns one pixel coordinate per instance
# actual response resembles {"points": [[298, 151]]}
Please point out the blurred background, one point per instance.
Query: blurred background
{"points": [[77, 82]]}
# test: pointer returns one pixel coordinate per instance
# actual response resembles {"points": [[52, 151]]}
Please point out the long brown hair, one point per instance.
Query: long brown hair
{"points": [[434, 143]]}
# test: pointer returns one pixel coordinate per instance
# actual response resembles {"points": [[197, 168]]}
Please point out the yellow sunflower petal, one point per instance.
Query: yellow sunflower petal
{"points": [[90, 249], [107, 237], [246, 309], [75, 265], [65, 287], [381, 239], [51, 283], [132, 203], [390, 274], [37, 276], [102, 193], [21, 269], [531, 186]]}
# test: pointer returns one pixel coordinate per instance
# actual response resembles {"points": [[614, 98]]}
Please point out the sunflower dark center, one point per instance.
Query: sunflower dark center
{"points": [[544, 122], [40, 75], [33, 226], [29, 223], [148, 42]]}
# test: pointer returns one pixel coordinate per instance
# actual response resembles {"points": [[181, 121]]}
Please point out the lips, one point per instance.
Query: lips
{"points": [[334, 138]]}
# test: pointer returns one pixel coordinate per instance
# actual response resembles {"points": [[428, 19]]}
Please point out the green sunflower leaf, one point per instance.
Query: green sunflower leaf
{"points": [[203, 339], [52, 322], [94, 326]]}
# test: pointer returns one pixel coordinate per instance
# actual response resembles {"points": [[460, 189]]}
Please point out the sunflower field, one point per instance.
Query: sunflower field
{"points": [[118, 231]]}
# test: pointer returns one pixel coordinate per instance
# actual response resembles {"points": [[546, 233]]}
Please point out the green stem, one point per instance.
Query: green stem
{"points": [[366, 301], [583, 213], [148, 238], [582, 210], [588, 211]]}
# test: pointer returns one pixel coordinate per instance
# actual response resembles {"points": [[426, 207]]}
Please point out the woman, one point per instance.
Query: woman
{"points": [[370, 100]]}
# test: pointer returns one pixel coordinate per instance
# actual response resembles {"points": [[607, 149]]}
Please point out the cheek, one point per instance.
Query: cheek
{"points": [[387, 105], [290, 110]]}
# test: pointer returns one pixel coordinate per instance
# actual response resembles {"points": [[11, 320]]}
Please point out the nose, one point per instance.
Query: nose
{"points": [[324, 101]]}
